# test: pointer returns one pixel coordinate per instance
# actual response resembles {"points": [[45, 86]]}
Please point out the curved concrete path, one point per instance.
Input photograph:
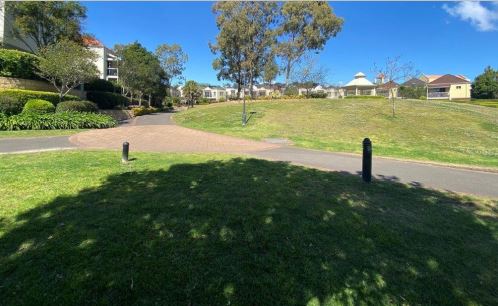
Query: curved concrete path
{"points": [[157, 133]]}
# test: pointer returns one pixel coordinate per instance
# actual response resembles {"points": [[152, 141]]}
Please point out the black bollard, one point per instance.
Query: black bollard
{"points": [[366, 171], [126, 149]]}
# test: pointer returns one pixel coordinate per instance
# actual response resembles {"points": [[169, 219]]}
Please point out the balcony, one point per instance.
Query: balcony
{"points": [[439, 95], [112, 72]]}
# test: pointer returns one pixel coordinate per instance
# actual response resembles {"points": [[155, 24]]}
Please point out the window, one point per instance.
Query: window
{"points": [[459, 87], [207, 94]]}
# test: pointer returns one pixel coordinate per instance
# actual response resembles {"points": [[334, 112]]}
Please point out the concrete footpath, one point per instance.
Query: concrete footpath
{"points": [[158, 133]]}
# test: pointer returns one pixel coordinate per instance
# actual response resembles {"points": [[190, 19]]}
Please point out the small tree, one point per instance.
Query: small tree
{"points": [[485, 85], [191, 92], [67, 65], [395, 71], [172, 60], [308, 74]]}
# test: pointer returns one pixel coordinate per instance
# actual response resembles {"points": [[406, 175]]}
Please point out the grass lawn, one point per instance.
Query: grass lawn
{"points": [[445, 132], [80, 228], [489, 103], [38, 133]]}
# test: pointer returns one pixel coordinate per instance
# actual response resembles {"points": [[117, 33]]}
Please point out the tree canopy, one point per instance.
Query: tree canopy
{"points": [[66, 65], [172, 60], [485, 85], [46, 22], [191, 92]]}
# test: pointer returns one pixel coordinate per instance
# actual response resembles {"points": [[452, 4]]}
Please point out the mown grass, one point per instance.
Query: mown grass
{"points": [[444, 132], [38, 133], [488, 103], [80, 228]]}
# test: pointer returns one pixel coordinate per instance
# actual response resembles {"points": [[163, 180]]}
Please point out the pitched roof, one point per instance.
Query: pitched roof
{"points": [[359, 81], [414, 82], [90, 41], [388, 85], [449, 79]]}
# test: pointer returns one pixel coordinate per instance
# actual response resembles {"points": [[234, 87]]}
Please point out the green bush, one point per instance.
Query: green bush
{"points": [[101, 85], [422, 98], [317, 95], [106, 100], [408, 92], [38, 106], [64, 120], [139, 111], [10, 105], [365, 97], [18, 64], [77, 106], [24, 95], [291, 90], [202, 101]]}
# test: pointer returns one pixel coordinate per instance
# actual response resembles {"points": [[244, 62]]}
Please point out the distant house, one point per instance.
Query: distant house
{"points": [[388, 89], [414, 82], [106, 61], [214, 93], [359, 86], [448, 86]]}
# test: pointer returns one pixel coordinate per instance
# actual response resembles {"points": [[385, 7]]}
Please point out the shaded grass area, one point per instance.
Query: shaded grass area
{"points": [[38, 133], [488, 103], [438, 131], [190, 230]]}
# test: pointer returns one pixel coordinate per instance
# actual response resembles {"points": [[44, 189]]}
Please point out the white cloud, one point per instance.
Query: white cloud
{"points": [[482, 17]]}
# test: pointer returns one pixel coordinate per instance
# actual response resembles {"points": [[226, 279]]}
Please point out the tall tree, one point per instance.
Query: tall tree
{"points": [[485, 85], [305, 26], [172, 60], [270, 71], [66, 65], [245, 40], [46, 22], [139, 70]]}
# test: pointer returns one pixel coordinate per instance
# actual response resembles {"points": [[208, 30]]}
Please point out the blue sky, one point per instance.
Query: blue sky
{"points": [[437, 37]]}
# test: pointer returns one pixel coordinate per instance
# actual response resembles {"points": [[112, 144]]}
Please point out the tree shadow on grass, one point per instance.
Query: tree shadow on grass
{"points": [[250, 232]]}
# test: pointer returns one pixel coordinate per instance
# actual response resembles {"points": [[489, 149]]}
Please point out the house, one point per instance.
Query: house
{"points": [[414, 83], [359, 86], [448, 86], [106, 61], [7, 37], [388, 89], [214, 92]]}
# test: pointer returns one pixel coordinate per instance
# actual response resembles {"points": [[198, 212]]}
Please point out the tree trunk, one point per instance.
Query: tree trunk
{"points": [[150, 100], [287, 73], [251, 83]]}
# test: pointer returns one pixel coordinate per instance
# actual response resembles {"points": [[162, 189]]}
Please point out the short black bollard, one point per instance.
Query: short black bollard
{"points": [[126, 149], [366, 171]]}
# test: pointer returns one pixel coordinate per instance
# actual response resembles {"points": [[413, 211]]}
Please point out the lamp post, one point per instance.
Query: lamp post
{"points": [[244, 114]]}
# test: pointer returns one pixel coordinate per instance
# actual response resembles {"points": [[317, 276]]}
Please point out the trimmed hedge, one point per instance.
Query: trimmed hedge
{"points": [[38, 106], [106, 100], [25, 95], [18, 64], [77, 106], [139, 111], [365, 97], [100, 85], [10, 105], [64, 120]]}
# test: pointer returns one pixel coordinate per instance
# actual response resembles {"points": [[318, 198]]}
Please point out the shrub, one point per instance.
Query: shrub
{"points": [[10, 105], [422, 98], [38, 106], [101, 85], [317, 95], [77, 106], [291, 91], [139, 111], [24, 95], [106, 100], [202, 101], [365, 97], [222, 100], [18, 64], [64, 120]]}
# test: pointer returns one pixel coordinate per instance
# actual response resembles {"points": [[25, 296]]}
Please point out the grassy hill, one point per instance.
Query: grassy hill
{"points": [[445, 132]]}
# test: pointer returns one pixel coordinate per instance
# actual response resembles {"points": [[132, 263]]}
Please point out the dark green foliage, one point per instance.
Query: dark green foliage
{"points": [[38, 106], [24, 95], [77, 106], [317, 95], [365, 97], [106, 100], [409, 92], [101, 85], [485, 85], [291, 91], [10, 105], [18, 64], [63, 120]]}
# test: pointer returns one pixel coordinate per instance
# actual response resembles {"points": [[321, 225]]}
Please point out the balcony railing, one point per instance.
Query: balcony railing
{"points": [[112, 71], [439, 94]]}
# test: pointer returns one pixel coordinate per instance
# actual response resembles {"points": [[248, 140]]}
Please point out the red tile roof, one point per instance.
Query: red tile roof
{"points": [[449, 79], [91, 42]]}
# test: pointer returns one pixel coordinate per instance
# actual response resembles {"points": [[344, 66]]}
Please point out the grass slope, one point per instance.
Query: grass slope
{"points": [[423, 130], [80, 228]]}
